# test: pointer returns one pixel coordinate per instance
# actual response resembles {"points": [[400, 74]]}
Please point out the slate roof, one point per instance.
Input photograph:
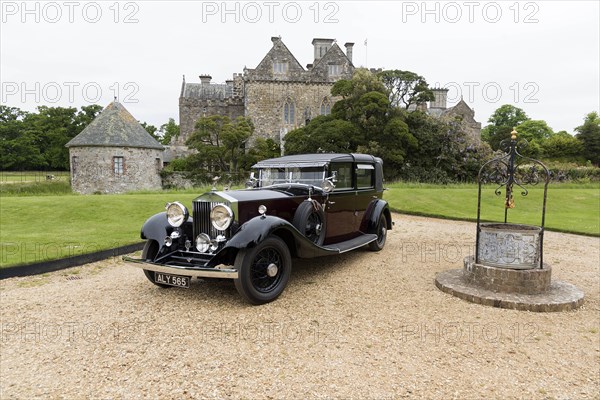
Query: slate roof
{"points": [[115, 127], [207, 91]]}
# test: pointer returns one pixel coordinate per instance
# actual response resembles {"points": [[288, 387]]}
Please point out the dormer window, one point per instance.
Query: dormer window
{"points": [[334, 69], [280, 68]]}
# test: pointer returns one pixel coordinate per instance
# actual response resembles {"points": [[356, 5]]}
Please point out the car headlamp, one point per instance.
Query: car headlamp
{"points": [[177, 214], [221, 217], [203, 243]]}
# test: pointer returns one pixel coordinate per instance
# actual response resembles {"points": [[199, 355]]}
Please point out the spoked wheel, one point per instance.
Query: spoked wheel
{"points": [[263, 271], [149, 253], [310, 221], [378, 244]]}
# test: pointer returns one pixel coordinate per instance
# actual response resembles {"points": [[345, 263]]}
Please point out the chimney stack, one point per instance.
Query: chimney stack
{"points": [[349, 47], [205, 79], [440, 95], [321, 47]]}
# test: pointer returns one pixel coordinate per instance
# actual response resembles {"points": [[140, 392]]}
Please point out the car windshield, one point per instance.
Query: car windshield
{"points": [[308, 176]]}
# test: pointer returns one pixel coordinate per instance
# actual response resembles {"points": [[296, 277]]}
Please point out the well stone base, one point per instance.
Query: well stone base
{"points": [[497, 279], [529, 290]]}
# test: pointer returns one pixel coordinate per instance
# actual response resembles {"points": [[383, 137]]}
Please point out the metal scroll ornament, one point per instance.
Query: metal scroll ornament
{"points": [[511, 245]]}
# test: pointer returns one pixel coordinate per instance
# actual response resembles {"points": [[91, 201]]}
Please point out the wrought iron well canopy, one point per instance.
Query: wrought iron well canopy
{"points": [[512, 171]]}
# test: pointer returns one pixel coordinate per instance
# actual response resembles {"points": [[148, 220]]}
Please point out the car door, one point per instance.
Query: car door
{"points": [[339, 207]]}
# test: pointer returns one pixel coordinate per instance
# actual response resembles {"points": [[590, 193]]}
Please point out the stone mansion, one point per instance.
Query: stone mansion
{"points": [[280, 95]]}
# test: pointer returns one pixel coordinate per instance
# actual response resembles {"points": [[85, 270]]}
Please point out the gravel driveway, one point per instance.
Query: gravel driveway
{"points": [[360, 325]]}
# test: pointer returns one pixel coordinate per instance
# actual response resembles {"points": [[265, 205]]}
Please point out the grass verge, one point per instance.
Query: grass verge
{"points": [[37, 228], [572, 208]]}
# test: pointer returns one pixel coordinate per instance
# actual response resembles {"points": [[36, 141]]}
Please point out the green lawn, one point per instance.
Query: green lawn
{"points": [[36, 228], [570, 207]]}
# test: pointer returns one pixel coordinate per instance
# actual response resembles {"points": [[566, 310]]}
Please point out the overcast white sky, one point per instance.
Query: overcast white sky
{"points": [[541, 56]]}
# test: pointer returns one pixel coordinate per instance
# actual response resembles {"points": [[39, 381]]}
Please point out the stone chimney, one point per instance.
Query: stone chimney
{"points": [[321, 47], [275, 39], [441, 96], [349, 47], [205, 79]]}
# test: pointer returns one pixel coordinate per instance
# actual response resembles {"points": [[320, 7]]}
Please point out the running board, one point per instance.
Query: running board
{"points": [[352, 244]]}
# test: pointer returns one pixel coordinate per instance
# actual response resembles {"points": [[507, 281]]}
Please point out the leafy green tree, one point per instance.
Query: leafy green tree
{"points": [[324, 134], [219, 142], [561, 145], [502, 122], [262, 149], [537, 130], [37, 140], [169, 132], [152, 130], [589, 136], [406, 88]]}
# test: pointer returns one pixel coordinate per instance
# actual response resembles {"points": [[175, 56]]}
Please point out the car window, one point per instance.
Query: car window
{"points": [[344, 175], [364, 176], [308, 176]]}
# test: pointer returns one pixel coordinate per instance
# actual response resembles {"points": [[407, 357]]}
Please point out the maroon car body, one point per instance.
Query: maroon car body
{"points": [[294, 206]]}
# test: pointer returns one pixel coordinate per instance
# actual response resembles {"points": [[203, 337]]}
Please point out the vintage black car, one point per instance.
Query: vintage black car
{"points": [[294, 206]]}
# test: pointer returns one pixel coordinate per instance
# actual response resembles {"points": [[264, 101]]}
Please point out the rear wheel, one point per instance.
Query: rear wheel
{"points": [[378, 244], [149, 254], [263, 271]]}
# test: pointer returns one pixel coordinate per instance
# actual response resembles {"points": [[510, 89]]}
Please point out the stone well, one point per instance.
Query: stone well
{"points": [[508, 270]]}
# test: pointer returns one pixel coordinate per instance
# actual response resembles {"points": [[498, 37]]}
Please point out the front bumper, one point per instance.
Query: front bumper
{"points": [[202, 272]]}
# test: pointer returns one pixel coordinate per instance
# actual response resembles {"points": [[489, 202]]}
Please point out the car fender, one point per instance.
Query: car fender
{"points": [[375, 209], [259, 228], [158, 228]]}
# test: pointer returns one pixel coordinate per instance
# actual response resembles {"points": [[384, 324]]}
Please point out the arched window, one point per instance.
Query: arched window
{"points": [[289, 112], [326, 106]]}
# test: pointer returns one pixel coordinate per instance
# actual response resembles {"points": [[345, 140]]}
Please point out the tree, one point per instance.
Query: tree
{"points": [[219, 142], [589, 136], [168, 132], [151, 129], [536, 132], [561, 145], [406, 88], [502, 122]]}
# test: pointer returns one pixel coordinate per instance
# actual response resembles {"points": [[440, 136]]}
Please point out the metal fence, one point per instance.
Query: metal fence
{"points": [[33, 176]]}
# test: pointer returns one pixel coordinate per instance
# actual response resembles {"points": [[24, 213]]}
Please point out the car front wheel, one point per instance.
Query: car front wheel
{"points": [[263, 271]]}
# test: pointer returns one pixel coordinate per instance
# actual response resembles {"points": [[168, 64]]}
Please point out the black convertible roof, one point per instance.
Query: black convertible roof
{"points": [[314, 160]]}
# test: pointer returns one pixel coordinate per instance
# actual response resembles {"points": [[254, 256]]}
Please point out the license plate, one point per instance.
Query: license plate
{"points": [[172, 280]]}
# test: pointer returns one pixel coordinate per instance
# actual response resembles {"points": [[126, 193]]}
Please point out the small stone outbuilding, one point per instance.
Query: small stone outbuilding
{"points": [[114, 154]]}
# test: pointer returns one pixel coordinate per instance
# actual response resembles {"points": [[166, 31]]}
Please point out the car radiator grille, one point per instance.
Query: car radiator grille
{"points": [[202, 222]]}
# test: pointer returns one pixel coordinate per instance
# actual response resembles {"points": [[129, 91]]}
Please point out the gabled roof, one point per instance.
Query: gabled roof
{"points": [[278, 52], [334, 52], [115, 127]]}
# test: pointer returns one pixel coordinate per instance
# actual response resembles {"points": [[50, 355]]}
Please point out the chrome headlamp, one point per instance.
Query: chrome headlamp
{"points": [[177, 214], [221, 217]]}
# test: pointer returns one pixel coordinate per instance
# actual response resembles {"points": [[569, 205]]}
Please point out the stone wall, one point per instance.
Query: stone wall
{"points": [[265, 104], [192, 109], [92, 169]]}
